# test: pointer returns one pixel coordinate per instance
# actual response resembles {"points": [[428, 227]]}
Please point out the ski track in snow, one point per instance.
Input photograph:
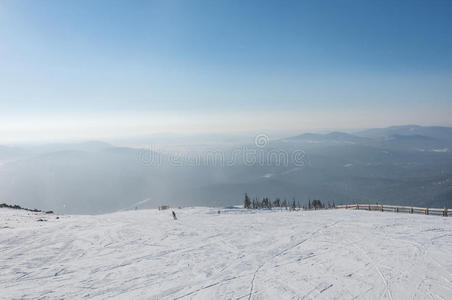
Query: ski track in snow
{"points": [[238, 254]]}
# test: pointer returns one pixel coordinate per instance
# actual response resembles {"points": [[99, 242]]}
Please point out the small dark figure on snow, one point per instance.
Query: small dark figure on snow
{"points": [[174, 215]]}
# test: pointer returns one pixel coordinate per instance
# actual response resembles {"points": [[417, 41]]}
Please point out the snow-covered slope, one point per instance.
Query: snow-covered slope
{"points": [[237, 254]]}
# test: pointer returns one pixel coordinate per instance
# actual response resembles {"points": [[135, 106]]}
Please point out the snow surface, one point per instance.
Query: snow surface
{"points": [[238, 254]]}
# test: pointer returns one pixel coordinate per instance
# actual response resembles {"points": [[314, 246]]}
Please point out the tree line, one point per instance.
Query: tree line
{"points": [[267, 203]]}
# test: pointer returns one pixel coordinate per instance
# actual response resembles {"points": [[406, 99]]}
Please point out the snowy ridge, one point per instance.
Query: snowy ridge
{"points": [[238, 254]]}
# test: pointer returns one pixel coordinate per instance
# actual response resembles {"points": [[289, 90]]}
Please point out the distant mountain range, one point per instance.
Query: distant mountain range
{"points": [[407, 165], [330, 137], [435, 132], [408, 138]]}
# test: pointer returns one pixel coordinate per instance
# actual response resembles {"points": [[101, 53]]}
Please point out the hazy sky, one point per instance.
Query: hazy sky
{"points": [[93, 69]]}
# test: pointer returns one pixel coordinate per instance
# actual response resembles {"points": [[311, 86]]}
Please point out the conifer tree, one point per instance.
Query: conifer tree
{"points": [[247, 202], [284, 203]]}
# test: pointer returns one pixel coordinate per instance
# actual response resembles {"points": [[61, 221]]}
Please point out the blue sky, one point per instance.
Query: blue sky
{"points": [[195, 65]]}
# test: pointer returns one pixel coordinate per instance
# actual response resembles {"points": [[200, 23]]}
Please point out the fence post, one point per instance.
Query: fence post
{"points": [[382, 207], [411, 210], [357, 206], [426, 211], [397, 209], [369, 207], [445, 212]]}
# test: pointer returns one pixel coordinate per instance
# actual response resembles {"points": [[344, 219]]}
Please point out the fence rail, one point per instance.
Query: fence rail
{"points": [[399, 209]]}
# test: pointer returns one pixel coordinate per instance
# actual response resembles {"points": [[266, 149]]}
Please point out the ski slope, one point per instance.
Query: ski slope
{"points": [[238, 254]]}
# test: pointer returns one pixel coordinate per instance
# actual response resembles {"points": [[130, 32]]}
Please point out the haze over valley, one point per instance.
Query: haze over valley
{"points": [[403, 165]]}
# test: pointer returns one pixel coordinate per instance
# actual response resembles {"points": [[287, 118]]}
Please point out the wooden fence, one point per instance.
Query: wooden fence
{"points": [[399, 209]]}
